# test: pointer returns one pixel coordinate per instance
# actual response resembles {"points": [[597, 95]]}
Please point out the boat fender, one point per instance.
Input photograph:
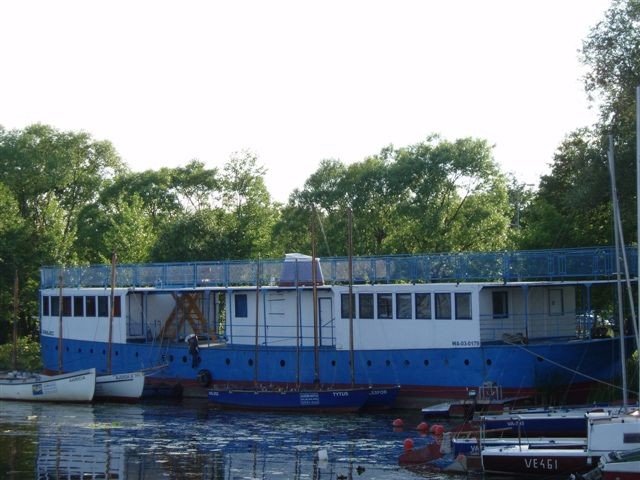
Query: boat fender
{"points": [[408, 444], [204, 378]]}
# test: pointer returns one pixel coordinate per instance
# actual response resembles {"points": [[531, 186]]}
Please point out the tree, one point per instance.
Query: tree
{"points": [[573, 204], [432, 196], [611, 53], [14, 243], [53, 175], [249, 213]]}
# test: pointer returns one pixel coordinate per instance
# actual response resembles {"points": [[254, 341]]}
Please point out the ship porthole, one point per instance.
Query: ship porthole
{"points": [[251, 362], [282, 363], [228, 361], [407, 363], [136, 354], [79, 350], [91, 350], [466, 361], [388, 362], [333, 363], [489, 362], [368, 363], [184, 359], [426, 363], [171, 358]]}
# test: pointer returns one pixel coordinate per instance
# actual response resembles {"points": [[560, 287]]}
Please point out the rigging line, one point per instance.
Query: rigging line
{"points": [[564, 367], [324, 235]]}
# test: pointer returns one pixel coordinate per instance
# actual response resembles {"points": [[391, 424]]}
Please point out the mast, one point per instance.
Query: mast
{"points": [[350, 249], [636, 325], [16, 303], [298, 325], [316, 355], [114, 259], [255, 353], [616, 224], [60, 320]]}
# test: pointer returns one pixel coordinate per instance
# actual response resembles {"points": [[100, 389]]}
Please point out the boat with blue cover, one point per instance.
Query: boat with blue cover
{"points": [[436, 325]]}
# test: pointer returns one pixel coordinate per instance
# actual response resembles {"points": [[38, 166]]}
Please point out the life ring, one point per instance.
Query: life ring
{"points": [[204, 378]]}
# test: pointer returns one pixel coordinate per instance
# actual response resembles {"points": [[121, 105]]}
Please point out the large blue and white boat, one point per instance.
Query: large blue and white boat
{"points": [[436, 325]]}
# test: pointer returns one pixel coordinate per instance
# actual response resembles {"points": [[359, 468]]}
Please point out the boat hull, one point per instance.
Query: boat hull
{"points": [[437, 374], [122, 386], [78, 386], [570, 422], [292, 400], [621, 471], [537, 462]]}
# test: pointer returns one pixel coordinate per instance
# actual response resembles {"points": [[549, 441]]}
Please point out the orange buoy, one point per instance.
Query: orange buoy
{"points": [[398, 422], [437, 429], [423, 426], [408, 444]]}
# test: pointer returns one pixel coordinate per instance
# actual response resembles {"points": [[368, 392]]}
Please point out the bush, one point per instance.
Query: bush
{"points": [[28, 355]]}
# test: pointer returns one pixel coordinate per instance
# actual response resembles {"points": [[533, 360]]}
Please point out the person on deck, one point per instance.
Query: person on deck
{"points": [[194, 350]]}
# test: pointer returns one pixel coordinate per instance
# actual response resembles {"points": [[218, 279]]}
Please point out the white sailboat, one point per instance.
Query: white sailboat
{"points": [[76, 386], [70, 387], [122, 386]]}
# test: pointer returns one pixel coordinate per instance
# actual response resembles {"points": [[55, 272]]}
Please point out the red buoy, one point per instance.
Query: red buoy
{"points": [[423, 426], [408, 444], [437, 429], [398, 422]]}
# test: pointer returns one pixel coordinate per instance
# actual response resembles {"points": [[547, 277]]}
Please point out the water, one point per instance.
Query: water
{"points": [[191, 440]]}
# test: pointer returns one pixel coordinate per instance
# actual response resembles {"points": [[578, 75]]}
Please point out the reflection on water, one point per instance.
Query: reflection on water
{"points": [[190, 440]]}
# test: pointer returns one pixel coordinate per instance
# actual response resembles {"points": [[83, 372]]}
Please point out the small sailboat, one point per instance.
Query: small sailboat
{"points": [[126, 386], [76, 386], [16, 385]]}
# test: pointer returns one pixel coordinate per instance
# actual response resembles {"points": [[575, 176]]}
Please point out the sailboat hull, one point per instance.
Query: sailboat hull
{"points": [[76, 386], [123, 386], [293, 400]]}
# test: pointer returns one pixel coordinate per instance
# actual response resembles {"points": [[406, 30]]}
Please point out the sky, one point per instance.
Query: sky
{"points": [[296, 82]]}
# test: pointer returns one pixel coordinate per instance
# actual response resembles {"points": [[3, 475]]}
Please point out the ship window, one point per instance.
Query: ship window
{"points": [[103, 306], [66, 306], [276, 306], [240, 303], [90, 306], [385, 305], [500, 304], [45, 306], [344, 305], [631, 438], [463, 306], [117, 307], [403, 305], [423, 306], [78, 306], [55, 306], [366, 305], [443, 306]]}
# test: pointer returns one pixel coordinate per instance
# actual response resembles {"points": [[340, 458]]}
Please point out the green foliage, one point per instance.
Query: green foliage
{"points": [[432, 196], [28, 355]]}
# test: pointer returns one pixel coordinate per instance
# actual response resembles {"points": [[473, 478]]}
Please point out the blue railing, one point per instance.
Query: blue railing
{"points": [[564, 264]]}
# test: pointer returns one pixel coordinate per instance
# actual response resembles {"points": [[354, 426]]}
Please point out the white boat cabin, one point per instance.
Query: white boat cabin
{"points": [[385, 316]]}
